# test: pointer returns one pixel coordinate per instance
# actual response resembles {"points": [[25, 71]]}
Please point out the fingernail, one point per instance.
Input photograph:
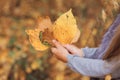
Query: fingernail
{"points": [[52, 49], [67, 44], [53, 41]]}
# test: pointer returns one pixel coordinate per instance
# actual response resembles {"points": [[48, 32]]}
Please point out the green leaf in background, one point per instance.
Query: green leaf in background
{"points": [[11, 41], [11, 53]]}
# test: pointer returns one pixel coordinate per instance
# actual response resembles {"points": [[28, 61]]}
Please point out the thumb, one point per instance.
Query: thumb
{"points": [[54, 50], [56, 43]]}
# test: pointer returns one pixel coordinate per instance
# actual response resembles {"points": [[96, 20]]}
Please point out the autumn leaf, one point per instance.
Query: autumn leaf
{"points": [[47, 37], [34, 39], [104, 16], [35, 65], [108, 77], [34, 34], [65, 28], [43, 23]]}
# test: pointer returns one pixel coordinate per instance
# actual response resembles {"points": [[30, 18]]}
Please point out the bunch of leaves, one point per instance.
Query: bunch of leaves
{"points": [[64, 30]]}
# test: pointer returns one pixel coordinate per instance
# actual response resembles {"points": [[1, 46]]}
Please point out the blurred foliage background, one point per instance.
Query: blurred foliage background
{"points": [[20, 61]]}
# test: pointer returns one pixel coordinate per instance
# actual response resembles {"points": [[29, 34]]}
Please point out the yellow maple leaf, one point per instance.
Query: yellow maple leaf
{"points": [[65, 29]]}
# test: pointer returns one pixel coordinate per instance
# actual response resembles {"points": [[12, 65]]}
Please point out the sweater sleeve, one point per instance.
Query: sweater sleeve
{"points": [[88, 67], [88, 52]]}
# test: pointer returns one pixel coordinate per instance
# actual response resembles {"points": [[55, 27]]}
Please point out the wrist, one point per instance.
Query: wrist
{"points": [[81, 54]]}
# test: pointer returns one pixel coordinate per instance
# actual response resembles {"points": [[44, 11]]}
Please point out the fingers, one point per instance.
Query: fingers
{"points": [[59, 54], [57, 44], [71, 48], [54, 50]]}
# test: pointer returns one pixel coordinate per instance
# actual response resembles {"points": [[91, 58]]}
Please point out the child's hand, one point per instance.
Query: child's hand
{"points": [[74, 50], [59, 51]]}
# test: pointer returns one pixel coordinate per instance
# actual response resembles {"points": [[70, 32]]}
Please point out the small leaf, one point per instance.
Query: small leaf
{"points": [[11, 41], [36, 34]]}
